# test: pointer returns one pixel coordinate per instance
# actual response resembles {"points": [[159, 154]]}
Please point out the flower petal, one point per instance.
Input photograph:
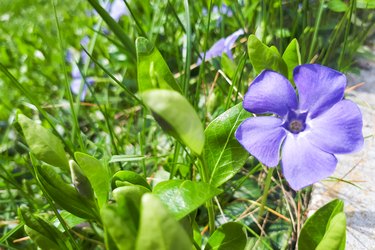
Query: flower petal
{"points": [[270, 92], [262, 137], [303, 163], [230, 40], [319, 87], [338, 130]]}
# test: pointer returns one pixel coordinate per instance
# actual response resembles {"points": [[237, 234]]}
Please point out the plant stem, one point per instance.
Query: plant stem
{"points": [[265, 192], [316, 29], [209, 204]]}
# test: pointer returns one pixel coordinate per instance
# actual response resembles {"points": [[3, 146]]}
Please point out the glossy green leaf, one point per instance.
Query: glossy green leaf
{"points": [[292, 57], [335, 236], [182, 197], [97, 174], [43, 143], [318, 226], [121, 220], [153, 71], [158, 229], [45, 235], [64, 194], [80, 181], [264, 57], [126, 178], [176, 116], [223, 153], [229, 236]]}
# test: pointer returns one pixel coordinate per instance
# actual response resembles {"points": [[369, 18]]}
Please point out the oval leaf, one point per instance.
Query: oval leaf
{"points": [[97, 174], [43, 143], [223, 153], [230, 236], [264, 57], [158, 229], [176, 116], [335, 236], [316, 227], [292, 57], [184, 196], [153, 71], [126, 178], [64, 194]]}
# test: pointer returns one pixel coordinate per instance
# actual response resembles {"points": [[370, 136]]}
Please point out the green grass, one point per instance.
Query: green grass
{"points": [[35, 80]]}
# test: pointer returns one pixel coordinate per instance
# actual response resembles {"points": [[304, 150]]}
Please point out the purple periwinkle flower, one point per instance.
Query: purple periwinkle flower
{"points": [[224, 45], [308, 130]]}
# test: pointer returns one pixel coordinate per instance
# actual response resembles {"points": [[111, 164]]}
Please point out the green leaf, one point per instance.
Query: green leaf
{"points": [[97, 174], [80, 181], [335, 236], [292, 57], [264, 57], [126, 158], [124, 212], [45, 235], [126, 178], [229, 67], [337, 5], [176, 116], [318, 226], [43, 143], [223, 153], [229, 236], [365, 4], [182, 197], [153, 71], [158, 229], [64, 194]]}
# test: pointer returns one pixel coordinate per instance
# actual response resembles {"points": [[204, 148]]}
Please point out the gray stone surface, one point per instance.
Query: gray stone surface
{"points": [[358, 168]]}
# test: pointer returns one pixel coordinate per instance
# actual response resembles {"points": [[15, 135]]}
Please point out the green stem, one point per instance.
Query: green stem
{"points": [[352, 4], [316, 29], [265, 192], [209, 204]]}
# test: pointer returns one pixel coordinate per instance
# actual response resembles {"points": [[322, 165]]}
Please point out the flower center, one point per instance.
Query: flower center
{"points": [[295, 121], [295, 126]]}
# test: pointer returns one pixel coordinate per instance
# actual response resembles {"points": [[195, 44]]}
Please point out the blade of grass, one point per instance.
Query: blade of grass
{"points": [[316, 29], [114, 78], [76, 133], [347, 29], [139, 26], [116, 28], [188, 49], [34, 101]]}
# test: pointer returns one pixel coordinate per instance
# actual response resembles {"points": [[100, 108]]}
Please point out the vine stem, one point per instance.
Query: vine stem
{"points": [[209, 204]]}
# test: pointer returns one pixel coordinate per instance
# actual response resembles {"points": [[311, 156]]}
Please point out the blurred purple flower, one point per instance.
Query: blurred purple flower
{"points": [[224, 9], [118, 9], [77, 78], [78, 81], [308, 130], [224, 45]]}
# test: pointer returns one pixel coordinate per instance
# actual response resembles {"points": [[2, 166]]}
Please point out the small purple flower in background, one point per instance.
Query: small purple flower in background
{"points": [[224, 45], [308, 130], [118, 9], [77, 78], [77, 81]]}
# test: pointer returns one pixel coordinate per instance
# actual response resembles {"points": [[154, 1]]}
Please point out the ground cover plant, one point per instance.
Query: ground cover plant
{"points": [[175, 124]]}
